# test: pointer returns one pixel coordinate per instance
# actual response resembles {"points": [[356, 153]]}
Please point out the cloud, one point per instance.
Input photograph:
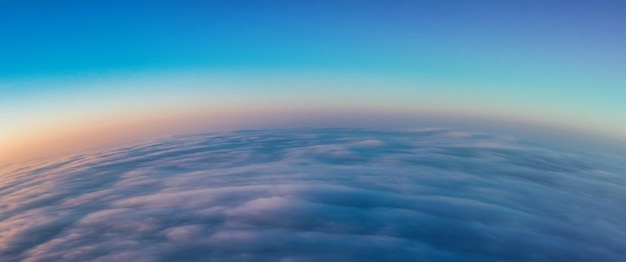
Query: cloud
{"points": [[318, 195]]}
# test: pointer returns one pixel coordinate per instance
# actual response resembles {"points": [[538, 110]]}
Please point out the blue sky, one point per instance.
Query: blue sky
{"points": [[444, 39], [559, 62]]}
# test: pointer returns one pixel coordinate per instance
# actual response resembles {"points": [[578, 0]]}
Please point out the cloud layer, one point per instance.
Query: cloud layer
{"points": [[318, 195]]}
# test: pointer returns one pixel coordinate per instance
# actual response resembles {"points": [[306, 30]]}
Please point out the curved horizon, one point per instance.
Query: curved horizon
{"points": [[76, 75]]}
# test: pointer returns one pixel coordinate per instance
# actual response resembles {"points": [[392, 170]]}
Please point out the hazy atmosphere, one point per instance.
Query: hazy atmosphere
{"points": [[80, 68]]}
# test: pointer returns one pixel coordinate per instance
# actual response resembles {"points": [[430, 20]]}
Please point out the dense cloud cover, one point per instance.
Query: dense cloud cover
{"points": [[318, 195]]}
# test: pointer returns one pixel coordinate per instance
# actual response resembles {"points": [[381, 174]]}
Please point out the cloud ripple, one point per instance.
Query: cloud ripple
{"points": [[318, 195]]}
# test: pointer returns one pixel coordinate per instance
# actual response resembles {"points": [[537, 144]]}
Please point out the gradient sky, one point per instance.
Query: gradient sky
{"points": [[71, 68]]}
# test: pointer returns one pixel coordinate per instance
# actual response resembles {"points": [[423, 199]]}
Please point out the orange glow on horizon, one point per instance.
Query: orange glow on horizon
{"points": [[77, 135], [51, 138], [46, 140]]}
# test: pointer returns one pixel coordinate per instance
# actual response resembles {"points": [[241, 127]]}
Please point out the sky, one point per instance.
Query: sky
{"points": [[78, 73]]}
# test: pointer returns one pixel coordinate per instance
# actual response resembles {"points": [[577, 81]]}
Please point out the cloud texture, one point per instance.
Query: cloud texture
{"points": [[318, 195]]}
